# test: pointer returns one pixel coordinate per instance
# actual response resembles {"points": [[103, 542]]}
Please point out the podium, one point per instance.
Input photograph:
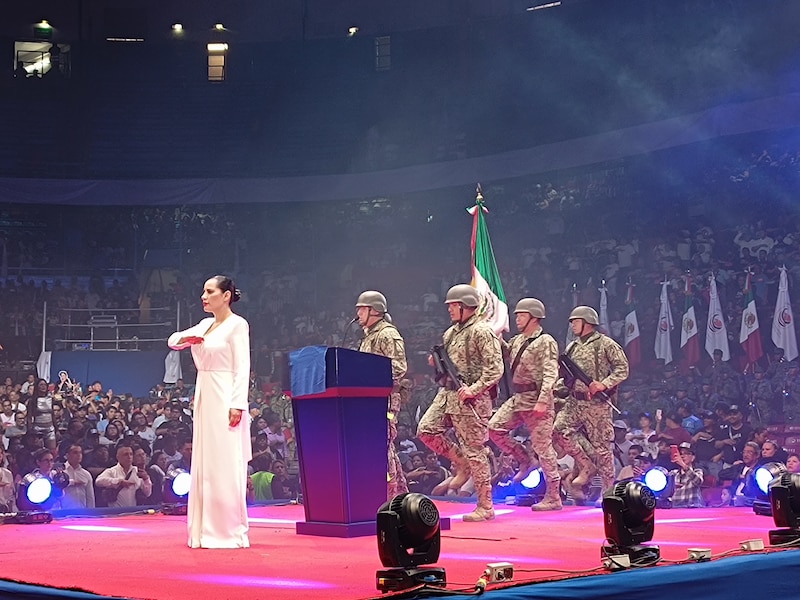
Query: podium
{"points": [[340, 399]]}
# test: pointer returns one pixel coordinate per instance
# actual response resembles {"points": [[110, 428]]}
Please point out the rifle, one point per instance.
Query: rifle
{"points": [[445, 369], [571, 373]]}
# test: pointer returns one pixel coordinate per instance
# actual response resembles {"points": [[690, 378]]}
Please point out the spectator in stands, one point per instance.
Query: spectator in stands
{"points": [[643, 434], [262, 455], [793, 463], [633, 455], [112, 436], [121, 481], [7, 492], [426, 473], [40, 414], [283, 486], [771, 452], [157, 469], [276, 437], [673, 433], [18, 429], [688, 479], [80, 491], [741, 474], [620, 445], [735, 434], [689, 421], [140, 427], [709, 457], [185, 461]]}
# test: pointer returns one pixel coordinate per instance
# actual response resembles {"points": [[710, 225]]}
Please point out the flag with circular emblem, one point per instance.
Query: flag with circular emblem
{"points": [[784, 335], [663, 345], [716, 332]]}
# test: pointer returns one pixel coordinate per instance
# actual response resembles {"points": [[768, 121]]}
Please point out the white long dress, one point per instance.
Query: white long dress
{"points": [[217, 515]]}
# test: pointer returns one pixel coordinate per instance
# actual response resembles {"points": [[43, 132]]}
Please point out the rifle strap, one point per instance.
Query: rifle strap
{"points": [[518, 357]]}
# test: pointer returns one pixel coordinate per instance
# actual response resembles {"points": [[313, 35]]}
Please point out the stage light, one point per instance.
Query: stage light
{"points": [[662, 484], [408, 537], [530, 490], [352, 31], [219, 27], [765, 474], [217, 47], [37, 489], [629, 520], [784, 497], [177, 27], [180, 481]]}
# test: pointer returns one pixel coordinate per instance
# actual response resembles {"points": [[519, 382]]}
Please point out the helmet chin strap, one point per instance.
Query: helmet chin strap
{"points": [[528, 322]]}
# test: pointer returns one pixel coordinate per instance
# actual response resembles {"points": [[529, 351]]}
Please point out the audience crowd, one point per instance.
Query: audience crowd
{"points": [[302, 265]]}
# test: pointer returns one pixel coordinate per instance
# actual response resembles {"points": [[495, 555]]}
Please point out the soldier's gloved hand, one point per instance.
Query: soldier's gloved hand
{"points": [[561, 392], [465, 394]]}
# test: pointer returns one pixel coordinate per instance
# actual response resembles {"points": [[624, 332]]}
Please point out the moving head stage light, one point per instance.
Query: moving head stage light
{"points": [[408, 537], [629, 510], [784, 496], [764, 476]]}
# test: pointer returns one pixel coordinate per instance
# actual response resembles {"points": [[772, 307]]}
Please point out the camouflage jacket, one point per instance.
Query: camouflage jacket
{"points": [[601, 358], [538, 365], [475, 352], [384, 339]]}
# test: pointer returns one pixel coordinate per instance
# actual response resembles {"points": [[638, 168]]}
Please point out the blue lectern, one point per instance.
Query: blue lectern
{"points": [[340, 399]]}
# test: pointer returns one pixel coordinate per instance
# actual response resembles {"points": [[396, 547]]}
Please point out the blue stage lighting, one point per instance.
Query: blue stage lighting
{"points": [[38, 488], [657, 479], [765, 475], [533, 480]]}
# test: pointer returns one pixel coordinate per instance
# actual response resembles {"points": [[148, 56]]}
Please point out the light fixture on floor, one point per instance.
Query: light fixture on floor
{"points": [[530, 490], [764, 476], [784, 496], [629, 518], [662, 484], [408, 538], [176, 491], [37, 490]]}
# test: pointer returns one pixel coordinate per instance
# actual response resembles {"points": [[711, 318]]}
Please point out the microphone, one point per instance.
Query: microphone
{"points": [[347, 331]]}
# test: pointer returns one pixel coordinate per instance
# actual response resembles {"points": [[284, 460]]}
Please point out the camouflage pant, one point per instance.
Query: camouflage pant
{"points": [[470, 433], [506, 419], [396, 481], [583, 429]]}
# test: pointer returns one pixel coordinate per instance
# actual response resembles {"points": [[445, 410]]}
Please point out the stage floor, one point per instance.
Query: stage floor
{"points": [[145, 556]]}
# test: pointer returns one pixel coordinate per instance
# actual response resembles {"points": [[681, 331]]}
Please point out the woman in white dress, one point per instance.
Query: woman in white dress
{"points": [[221, 440]]}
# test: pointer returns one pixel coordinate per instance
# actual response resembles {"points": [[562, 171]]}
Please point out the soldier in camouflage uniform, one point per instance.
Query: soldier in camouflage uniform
{"points": [[534, 371], [791, 393], [381, 337], [764, 402], [475, 351], [585, 419]]}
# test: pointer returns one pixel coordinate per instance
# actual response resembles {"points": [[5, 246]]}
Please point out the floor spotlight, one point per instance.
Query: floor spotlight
{"points": [[530, 490], [176, 490], [38, 491], [629, 517], [784, 496], [408, 537], [764, 476], [662, 484]]}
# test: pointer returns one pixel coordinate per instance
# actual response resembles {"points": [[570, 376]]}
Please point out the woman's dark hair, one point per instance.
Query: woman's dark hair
{"points": [[226, 285]]}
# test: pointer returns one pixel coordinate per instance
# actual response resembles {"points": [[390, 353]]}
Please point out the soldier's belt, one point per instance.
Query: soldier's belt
{"points": [[521, 388], [580, 395]]}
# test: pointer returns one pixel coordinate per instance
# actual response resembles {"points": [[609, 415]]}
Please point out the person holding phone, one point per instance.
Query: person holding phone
{"points": [[687, 478], [217, 514]]}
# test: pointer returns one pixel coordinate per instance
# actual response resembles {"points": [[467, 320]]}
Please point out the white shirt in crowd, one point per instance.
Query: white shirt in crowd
{"points": [[80, 491], [7, 489], [114, 476]]}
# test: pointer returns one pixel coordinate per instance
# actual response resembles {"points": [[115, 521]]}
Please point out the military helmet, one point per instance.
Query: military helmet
{"points": [[587, 313], [374, 300], [464, 293], [533, 306]]}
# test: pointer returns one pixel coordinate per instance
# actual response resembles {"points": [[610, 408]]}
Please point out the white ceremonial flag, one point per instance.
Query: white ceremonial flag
{"points": [[663, 346], [783, 332], [716, 332]]}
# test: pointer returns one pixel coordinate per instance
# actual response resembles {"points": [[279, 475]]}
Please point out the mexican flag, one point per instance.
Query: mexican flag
{"points": [[485, 277], [690, 341], [749, 335], [632, 341]]}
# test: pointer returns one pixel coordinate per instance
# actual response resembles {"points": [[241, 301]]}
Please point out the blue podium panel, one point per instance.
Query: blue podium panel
{"points": [[341, 439]]}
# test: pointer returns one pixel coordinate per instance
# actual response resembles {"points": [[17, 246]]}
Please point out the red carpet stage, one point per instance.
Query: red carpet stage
{"points": [[144, 556]]}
